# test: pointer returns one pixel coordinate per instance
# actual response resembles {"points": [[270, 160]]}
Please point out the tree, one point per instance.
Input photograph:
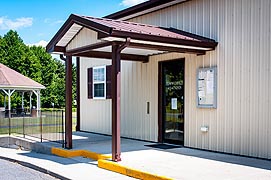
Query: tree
{"points": [[35, 63], [19, 57], [47, 74], [16, 55]]}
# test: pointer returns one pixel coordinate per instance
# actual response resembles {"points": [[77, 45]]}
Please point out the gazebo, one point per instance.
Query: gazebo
{"points": [[11, 81]]}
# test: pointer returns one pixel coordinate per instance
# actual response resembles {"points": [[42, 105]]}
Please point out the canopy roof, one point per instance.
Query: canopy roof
{"points": [[152, 39], [10, 79]]}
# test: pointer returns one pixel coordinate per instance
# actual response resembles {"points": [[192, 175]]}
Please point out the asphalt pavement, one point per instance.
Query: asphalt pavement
{"points": [[11, 170]]}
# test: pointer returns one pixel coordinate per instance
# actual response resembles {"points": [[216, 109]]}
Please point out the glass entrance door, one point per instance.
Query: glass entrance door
{"points": [[173, 101]]}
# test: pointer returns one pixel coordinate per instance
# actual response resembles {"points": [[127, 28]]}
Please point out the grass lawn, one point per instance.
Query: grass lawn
{"points": [[51, 123]]}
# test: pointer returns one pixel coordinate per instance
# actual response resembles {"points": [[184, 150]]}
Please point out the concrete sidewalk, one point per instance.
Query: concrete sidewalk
{"points": [[176, 163], [71, 168]]}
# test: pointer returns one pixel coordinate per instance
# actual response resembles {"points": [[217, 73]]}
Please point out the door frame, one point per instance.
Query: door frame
{"points": [[160, 98]]}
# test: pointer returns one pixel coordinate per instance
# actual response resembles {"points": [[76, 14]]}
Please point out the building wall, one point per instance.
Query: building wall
{"points": [[96, 114], [242, 121]]}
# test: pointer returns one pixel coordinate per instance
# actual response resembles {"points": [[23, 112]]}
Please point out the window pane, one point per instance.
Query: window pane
{"points": [[98, 74], [99, 90]]}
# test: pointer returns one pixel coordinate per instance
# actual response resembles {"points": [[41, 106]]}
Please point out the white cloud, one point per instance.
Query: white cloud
{"points": [[52, 22], [40, 43], [58, 22], [128, 3], [6, 24]]}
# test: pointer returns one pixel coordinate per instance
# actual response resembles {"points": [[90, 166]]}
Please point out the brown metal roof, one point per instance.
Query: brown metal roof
{"points": [[126, 26], [12, 79], [124, 29]]}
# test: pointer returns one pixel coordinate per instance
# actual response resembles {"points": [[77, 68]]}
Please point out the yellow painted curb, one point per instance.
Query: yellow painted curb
{"points": [[76, 153], [115, 167]]}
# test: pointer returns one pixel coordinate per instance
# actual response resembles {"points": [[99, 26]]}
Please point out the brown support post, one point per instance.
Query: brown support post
{"points": [[116, 102], [68, 109], [78, 93]]}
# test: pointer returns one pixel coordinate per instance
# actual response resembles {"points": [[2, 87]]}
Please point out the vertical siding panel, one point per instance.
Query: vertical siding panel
{"points": [[186, 16], [263, 93], [213, 19], [190, 108], [153, 98], [237, 74], [134, 106], [192, 24], [124, 97], [199, 20], [269, 85], [220, 76], [187, 114], [245, 69], [229, 78], [206, 18], [254, 69]]}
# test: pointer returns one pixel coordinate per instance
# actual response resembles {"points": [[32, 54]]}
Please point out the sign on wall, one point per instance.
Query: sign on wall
{"points": [[206, 87]]}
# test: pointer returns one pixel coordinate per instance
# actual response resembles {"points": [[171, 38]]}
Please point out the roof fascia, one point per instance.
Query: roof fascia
{"points": [[152, 38], [166, 48], [51, 47], [22, 88]]}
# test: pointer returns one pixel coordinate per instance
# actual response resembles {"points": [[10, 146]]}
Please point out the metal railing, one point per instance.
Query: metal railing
{"points": [[44, 125]]}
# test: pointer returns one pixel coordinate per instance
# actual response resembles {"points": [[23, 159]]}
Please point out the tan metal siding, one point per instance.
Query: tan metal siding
{"points": [[241, 123], [95, 113], [83, 38], [135, 93]]}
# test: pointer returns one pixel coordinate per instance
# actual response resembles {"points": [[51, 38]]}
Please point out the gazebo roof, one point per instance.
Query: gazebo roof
{"points": [[10, 79]]}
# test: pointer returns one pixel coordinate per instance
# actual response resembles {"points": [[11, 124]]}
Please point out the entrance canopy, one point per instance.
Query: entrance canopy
{"points": [[141, 40], [11, 81], [84, 36]]}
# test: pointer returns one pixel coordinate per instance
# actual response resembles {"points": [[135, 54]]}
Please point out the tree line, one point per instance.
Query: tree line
{"points": [[35, 63]]}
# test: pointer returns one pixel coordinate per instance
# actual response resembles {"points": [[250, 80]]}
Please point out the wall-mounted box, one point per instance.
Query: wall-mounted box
{"points": [[204, 128], [207, 87]]}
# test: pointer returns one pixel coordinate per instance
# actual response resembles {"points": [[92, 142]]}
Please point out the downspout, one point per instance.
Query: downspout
{"points": [[62, 57], [125, 44]]}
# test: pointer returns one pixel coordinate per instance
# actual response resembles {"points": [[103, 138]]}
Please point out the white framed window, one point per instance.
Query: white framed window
{"points": [[99, 82]]}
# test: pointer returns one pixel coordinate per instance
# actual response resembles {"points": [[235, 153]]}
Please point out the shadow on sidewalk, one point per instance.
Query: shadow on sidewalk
{"points": [[102, 144]]}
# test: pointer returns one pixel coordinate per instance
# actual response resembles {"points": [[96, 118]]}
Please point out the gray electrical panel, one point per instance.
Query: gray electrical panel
{"points": [[207, 87]]}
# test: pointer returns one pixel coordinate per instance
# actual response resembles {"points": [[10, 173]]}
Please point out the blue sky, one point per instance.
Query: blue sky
{"points": [[37, 21]]}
